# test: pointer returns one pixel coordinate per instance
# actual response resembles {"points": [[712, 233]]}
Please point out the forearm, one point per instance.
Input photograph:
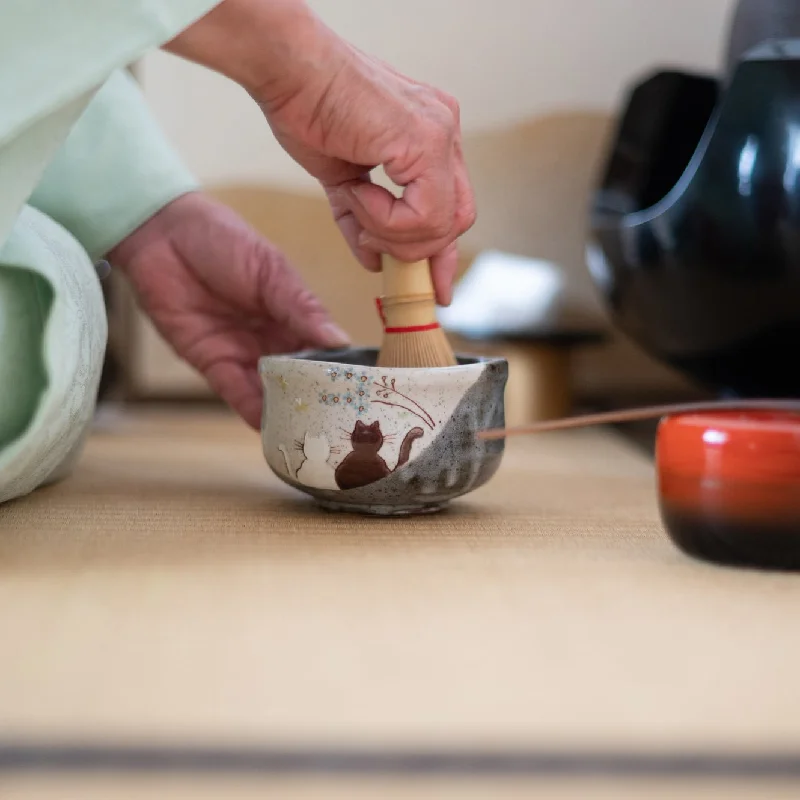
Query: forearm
{"points": [[269, 47]]}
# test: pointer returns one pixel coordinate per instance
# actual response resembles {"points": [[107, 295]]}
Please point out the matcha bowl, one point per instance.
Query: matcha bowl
{"points": [[380, 441]]}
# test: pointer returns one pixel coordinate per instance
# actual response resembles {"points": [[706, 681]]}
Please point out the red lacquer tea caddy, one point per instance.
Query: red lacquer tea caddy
{"points": [[729, 486]]}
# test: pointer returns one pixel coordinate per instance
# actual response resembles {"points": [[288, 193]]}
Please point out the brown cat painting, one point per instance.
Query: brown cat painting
{"points": [[363, 465]]}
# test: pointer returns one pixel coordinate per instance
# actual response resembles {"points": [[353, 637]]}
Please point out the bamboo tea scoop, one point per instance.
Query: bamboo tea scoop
{"points": [[412, 336], [644, 413]]}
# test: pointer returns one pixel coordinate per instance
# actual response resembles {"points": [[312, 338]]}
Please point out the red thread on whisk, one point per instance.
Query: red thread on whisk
{"points": [[379, 304], [414, 328], [408, 329]]}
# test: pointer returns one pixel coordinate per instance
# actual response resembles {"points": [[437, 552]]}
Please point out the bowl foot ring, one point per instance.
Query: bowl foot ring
{"points": [[382, 511]]}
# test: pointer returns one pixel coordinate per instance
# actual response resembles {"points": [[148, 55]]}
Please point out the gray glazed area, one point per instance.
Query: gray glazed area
{"points": [[453, 464]]}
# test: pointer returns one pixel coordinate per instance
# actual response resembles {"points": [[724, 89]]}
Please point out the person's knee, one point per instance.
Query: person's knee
{"points": [[52, 345]]}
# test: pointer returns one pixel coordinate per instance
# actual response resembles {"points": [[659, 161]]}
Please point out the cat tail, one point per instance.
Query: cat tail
{"points": [[405, 447], [286, 459]]}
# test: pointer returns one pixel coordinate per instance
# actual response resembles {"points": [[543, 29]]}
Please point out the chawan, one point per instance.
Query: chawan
{"points": [[381, 441]]}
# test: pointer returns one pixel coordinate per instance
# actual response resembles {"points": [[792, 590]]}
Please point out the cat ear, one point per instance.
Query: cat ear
{"points": [[359, 425], [376, 425]]}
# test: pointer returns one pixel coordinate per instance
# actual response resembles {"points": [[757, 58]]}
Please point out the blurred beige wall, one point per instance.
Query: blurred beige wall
{"points": [[539, 82]]}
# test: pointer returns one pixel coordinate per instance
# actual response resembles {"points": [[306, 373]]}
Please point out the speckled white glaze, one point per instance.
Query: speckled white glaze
{"points": [[380, 441]]}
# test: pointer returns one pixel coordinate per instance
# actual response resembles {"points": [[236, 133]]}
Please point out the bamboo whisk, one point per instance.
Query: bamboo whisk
{"points": [[412, 335]]}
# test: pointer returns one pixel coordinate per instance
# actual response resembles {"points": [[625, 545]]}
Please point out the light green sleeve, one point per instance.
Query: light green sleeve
{"points": [[113, 172], [56, 55], [56, 50]]}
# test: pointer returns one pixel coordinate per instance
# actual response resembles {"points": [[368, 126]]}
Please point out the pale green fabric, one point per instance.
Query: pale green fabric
{"points": [[55, 55], [114, 171], [82, 164], [24, 158], [53, 333]]}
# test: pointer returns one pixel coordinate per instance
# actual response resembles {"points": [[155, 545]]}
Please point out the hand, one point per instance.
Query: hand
{"points": [[222, 296], [364, 114], [340, 114]]}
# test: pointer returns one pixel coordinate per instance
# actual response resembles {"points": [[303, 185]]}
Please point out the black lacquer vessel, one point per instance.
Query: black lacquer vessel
{"points": [[695, 227]]}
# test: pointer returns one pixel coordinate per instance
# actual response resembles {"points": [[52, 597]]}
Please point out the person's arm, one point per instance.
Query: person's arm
{"points": [[115, 170], [340, 113], [269, 47], [335, 110]]}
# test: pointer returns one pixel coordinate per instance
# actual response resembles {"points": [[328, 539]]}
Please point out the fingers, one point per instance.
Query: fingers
{"points": [[286, 299], [437, 205], [420, 219], [352, 230], [227, 356], [436, 208], [442, 252], [444, 266], [239, 387], [296, 320], [403, 240]]}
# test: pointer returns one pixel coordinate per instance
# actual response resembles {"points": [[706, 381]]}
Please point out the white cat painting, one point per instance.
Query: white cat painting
{"points": [[315, 471]]}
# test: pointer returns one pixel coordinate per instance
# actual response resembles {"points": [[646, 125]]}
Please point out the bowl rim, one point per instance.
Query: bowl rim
{"points": [[759, 422], [314, 356]]}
